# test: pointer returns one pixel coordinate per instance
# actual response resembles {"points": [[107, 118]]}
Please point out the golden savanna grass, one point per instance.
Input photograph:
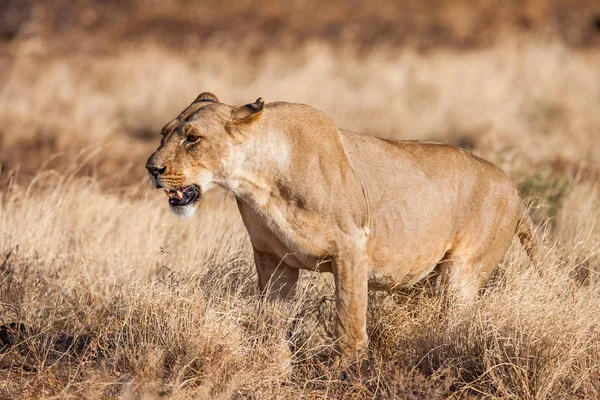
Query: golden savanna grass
{"points": [[110, 296]]}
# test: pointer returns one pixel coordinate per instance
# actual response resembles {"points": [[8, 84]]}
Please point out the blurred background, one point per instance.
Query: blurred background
{"points": [[516, 81]]}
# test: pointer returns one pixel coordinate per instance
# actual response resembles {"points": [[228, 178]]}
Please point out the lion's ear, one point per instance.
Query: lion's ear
{"points": [[249, 112], [206, 97]]}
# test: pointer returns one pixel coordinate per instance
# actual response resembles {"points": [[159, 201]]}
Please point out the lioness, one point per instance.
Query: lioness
{"points": [[378, 214]]}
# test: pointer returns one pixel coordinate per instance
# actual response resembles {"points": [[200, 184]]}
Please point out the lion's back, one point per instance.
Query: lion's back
{"points": [[383, 158]]}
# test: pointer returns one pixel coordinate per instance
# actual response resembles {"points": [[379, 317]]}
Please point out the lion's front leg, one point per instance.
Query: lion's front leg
{"points": [[275, 278], [351, 295]]}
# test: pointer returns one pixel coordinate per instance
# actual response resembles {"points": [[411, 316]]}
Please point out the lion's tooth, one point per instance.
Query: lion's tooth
{"points": [[179, 195], [168, 192]]}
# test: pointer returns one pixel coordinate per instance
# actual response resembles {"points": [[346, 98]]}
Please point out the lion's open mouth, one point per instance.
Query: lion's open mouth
{"points": [[184, 196]]}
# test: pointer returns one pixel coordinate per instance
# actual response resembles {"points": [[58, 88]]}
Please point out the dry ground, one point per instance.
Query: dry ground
{"points": [[110, 296]]}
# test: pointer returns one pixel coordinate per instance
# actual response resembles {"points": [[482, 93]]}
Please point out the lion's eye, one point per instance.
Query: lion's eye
{"points": [[192, 139]]}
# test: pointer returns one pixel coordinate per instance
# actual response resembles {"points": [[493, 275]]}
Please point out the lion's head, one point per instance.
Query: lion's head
{"points": [[197, 147]]}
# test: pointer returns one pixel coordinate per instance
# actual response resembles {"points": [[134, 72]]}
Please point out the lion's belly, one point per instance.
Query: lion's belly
{"points": [[397, 261], [400, 277]]}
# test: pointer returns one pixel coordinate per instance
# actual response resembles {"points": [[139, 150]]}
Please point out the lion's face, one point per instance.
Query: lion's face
{"points": [[194, 152]]}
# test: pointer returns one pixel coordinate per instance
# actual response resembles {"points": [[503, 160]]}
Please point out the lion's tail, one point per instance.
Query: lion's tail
{"points": [[527, 236]]}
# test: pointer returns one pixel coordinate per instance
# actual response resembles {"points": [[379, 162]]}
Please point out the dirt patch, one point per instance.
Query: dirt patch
{"points": [[184, 24]]}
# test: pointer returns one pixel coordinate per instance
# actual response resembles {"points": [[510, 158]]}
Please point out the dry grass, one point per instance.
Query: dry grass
{"points": [[120, 299], [112, 297]]}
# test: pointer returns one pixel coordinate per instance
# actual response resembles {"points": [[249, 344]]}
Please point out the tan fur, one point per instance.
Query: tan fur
{"points": [[378, 214]]}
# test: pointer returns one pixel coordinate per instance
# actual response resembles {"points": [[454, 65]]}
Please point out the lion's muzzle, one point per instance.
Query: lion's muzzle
{"points": [[183, 197], [154, 171]]}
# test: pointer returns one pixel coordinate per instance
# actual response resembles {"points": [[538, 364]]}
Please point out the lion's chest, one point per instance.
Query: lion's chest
{"points": [[297, 243]]}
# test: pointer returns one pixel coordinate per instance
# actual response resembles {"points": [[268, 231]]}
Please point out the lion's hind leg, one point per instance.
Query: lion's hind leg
{"points": [[458, 281], [464, 272]]}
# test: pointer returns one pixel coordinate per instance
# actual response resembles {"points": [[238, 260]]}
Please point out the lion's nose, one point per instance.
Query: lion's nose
{"points": [[155, 171]]}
